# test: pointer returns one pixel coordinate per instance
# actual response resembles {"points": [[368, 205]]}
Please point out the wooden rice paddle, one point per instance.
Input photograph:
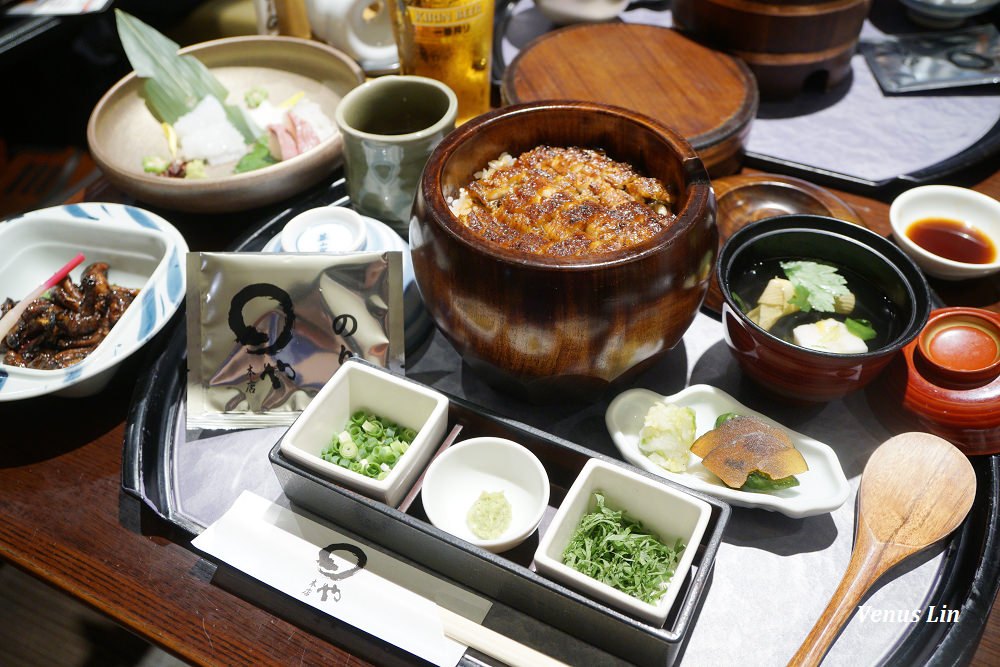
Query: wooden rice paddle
{"points": [[916, 488]]}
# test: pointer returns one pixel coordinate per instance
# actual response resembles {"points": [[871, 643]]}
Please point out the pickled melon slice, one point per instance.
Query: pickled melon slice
{"points": [[731, 429], [754, 451]]}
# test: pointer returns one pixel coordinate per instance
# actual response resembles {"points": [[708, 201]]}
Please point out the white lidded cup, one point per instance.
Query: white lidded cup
{"points": [[360, 28], [334, 229]]}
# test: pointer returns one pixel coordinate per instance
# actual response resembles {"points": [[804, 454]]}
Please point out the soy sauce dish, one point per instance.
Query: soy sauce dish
{"points": [[951, 233]]}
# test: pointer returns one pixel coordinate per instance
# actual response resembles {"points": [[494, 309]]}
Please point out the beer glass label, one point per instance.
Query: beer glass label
{"points": [[451, 16]]}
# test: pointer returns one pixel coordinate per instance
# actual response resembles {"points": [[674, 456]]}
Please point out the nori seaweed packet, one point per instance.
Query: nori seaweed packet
{"points": [[266, 331]]}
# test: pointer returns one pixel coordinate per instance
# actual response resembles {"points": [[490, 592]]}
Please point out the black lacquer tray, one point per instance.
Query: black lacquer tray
{"points": [[967, 580]]}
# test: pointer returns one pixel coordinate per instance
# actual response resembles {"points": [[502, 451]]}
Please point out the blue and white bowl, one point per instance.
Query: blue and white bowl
{"points": [[143, 251]]}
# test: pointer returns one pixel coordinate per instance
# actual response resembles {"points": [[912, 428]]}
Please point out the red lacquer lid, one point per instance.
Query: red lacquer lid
{"points": [[962, 345], [947, 381]]}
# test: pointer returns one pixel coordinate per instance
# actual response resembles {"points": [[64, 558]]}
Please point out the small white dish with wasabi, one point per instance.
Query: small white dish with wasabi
{"points": [[663, 447], [491, 492]]}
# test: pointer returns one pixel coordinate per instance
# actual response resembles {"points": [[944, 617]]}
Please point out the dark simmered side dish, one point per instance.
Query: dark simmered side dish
{"points": [[62, 328]]}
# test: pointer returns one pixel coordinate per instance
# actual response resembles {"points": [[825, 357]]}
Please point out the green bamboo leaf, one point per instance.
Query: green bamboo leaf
{"points": [[174, 84]]}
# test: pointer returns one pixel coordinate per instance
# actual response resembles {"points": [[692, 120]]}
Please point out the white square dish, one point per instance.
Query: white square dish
{"points": [[356, 386], [668, 513]]}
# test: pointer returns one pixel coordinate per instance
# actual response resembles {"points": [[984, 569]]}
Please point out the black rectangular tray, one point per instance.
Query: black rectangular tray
{"points": [[969, 578], [509, 577]]}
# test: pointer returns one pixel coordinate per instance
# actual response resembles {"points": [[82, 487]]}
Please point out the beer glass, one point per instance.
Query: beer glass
{"points": [[451, 41]]}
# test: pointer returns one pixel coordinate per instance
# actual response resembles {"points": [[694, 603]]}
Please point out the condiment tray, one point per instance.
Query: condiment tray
{"points": [[822, 489], [510, 577]]}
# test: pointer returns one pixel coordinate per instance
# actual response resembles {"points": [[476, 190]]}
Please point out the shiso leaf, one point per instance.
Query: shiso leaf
{"points": [[173, 84], [259, 156]]}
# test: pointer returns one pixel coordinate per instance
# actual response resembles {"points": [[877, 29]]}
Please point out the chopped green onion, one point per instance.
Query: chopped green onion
{"points": [[155, 164], [255, 96], [369, 445]]}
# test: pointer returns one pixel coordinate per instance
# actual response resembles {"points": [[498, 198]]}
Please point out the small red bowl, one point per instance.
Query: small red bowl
{"points": [[947, 381]]}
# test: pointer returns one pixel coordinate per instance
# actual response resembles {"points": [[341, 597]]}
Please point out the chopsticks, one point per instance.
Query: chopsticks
{"points": [[9, 321], [492, 643]]}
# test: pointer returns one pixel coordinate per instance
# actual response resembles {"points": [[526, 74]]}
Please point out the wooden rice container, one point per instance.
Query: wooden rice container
{"points": [[790, 45]]}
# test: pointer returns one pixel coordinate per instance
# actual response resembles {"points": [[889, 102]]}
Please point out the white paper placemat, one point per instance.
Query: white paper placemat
{"points": [[340, 576]]}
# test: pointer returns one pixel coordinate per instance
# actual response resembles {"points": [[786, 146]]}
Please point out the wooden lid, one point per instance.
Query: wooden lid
{"points": [[747, 198], [708, 96]]}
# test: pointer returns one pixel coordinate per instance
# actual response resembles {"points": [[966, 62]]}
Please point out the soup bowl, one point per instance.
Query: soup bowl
{"points": [[876, 270], [553, 328]]}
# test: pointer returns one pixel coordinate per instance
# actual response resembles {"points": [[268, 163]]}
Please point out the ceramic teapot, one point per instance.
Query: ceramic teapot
{"points": [[360, 28]]}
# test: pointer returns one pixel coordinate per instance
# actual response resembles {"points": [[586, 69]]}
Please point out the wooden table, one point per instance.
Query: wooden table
{"points": [[65, 520]]}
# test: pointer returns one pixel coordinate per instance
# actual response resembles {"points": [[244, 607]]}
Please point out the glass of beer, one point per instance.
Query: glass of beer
{"points": [[451, 41]]}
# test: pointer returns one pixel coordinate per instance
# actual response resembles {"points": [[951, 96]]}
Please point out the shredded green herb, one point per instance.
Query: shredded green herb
{"points": [[613, 548]]}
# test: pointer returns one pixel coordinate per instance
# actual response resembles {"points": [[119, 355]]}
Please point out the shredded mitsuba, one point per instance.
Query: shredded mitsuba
{"points": [[613, 548]]}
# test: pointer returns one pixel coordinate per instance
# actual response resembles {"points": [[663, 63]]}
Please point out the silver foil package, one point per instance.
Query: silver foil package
{"points": [[931, 61], [267, 330]]}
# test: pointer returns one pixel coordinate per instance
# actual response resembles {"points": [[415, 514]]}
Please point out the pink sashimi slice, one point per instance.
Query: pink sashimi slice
{"points": [[305, 135], [281, 142]]}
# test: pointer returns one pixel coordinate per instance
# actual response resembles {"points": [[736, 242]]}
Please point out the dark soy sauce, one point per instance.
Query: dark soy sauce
{"points": [[952, 239], [870, 303]]}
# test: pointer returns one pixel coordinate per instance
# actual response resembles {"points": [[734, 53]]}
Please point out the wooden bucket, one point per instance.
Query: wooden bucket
{"points": [[790, 45]]}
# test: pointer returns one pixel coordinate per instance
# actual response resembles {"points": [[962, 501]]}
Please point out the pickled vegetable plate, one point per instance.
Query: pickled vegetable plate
{"points": [[823, 488]]}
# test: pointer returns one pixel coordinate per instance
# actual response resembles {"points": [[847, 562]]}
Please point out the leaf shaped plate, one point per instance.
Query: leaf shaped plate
{"points": [[823, 488]]}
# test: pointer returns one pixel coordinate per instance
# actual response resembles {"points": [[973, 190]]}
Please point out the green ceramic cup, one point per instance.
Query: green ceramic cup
{"points": [[390, 126]]}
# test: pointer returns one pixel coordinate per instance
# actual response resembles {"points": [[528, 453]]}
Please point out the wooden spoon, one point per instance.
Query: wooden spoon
{"points": [[916, 488]]}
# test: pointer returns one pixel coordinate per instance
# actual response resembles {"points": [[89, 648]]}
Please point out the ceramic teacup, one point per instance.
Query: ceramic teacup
{"points": [[390, 126]]}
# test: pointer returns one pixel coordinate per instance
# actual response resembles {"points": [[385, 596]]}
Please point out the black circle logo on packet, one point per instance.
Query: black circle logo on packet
{"points": [[251, 337]]}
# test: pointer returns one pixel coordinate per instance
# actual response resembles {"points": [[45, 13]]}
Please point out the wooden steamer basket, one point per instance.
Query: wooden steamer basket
{"points": [[788, 44]]}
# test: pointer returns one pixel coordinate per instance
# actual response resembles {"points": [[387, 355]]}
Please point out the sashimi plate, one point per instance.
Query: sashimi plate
{"points": [[822, 489], [122, 130], [142, 251]]}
